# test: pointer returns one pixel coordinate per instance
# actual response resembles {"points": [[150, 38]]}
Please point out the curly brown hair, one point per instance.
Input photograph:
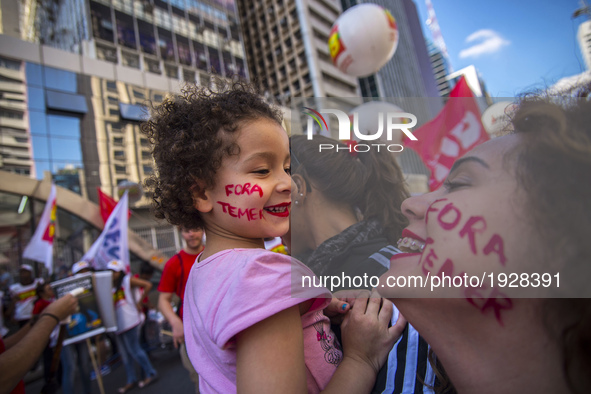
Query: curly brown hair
{"points": [[190, 134], [554, 166]]}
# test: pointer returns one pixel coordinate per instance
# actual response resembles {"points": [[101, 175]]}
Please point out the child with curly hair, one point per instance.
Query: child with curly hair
{"points": [[223, 164]]}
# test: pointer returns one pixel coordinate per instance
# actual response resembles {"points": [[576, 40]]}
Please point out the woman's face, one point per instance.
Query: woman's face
{"points": [[475, 224]]}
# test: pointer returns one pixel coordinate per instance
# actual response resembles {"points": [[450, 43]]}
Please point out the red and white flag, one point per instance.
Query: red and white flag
{"points": [[40, 247], [106, 204], [452, 133], [112, 244]]}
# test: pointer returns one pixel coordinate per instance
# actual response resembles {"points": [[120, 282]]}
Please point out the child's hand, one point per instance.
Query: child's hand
{"points": [[341, 303], [365, 332], [336, 310]]}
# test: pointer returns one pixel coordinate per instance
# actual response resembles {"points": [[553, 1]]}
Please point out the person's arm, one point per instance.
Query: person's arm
{"points": [[270, 354], [165, 307], [144, 284], [17, 336], [20, 357]]}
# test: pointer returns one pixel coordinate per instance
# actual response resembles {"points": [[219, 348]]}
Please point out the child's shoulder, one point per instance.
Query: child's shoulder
{"points": [[247, 254]]}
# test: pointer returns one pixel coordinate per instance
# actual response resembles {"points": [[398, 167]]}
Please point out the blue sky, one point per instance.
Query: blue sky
{"points": [[524, 44]]}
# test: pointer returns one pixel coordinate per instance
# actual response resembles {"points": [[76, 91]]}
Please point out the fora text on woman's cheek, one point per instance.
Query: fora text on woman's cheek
{"points": [[449, 218]]}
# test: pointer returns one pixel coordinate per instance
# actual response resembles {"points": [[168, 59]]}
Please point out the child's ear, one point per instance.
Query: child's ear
{"points": [[202, 201]]}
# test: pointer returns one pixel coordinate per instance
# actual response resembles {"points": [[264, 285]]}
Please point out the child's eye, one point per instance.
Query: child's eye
{"points": [[262, 172], [288, 171]]}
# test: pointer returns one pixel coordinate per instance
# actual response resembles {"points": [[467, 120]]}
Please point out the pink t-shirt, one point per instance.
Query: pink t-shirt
{"points": [[237, 288]]}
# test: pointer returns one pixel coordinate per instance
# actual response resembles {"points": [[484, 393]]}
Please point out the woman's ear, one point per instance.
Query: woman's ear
{"points": [[299, 191]]}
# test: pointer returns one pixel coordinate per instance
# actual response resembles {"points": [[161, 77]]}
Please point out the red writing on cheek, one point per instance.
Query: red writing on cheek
{"points": [[243, 189], [496, 301], [432, 208], [248, 213], [428, 261], [452, 216], [473, 225], [480, 297], [496, 245]]}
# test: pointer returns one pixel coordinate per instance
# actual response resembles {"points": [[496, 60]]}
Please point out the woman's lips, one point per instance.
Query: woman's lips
{"points": [[410, 242]]}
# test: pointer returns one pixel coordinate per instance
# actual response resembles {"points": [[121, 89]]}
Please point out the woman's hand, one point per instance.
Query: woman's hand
{"points": [[365, 333]]}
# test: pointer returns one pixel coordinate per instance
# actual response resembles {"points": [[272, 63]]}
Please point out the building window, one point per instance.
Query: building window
{"points": [[10, 64], [146, 155], [125, 30], [120, 170], [147, 39], [214, 59], [106, 53], [184, 50], [60, 79], [188, 75], [117, 141], [152, 66], [119, 155], [130, 60], [112, 86], [148, 169], [138, 94], [200, 55], [171, 71], [166, 45], [102, 24]]}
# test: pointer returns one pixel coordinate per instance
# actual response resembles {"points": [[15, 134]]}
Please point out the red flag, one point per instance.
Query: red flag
{"points": [[106, 204], [452, 133]]}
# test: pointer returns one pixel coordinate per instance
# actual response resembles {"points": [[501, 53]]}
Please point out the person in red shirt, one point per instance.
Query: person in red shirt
{"points": [[173, 281]]}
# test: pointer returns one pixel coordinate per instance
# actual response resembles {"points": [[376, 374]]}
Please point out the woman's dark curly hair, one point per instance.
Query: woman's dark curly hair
{"points": [[554, 168], [190, 134]]}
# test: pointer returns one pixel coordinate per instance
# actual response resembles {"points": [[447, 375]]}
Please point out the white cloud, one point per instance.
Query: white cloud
{"points": [[490, 42]]}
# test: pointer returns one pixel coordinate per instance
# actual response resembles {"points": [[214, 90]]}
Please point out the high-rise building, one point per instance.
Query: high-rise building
{"points": [[584, 38], [75, 79], [475, 83], [441, 69], [15, 150], [287, 48]]}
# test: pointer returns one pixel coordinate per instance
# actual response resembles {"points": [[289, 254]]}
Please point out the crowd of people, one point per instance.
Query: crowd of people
{"points": [[226, 169]]}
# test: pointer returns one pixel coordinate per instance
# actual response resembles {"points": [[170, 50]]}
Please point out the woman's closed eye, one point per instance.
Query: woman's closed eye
{"points": [[451, 185]]}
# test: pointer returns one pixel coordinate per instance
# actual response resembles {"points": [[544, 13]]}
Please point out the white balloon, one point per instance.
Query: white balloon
{"points": [[369, 119], [135, 191], [363, 39]]}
